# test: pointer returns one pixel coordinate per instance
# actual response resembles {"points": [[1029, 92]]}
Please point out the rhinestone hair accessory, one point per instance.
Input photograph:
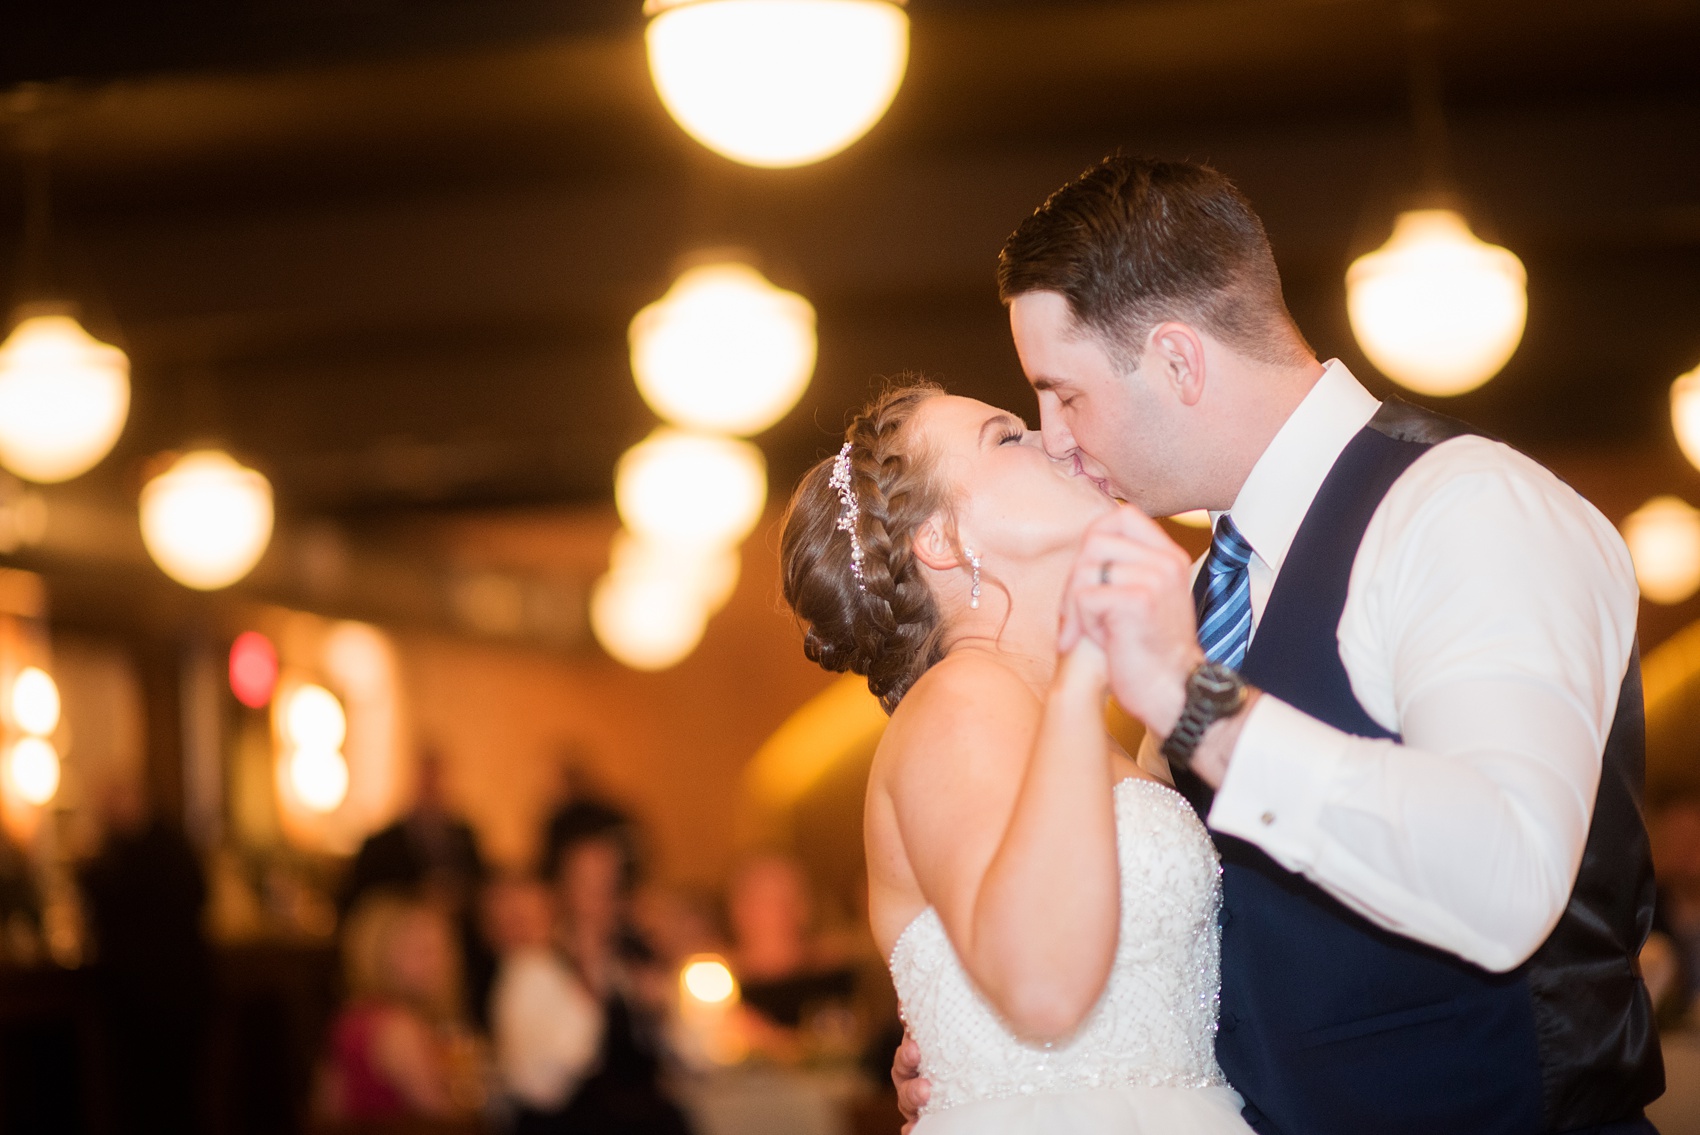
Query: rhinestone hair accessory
{"points": [[850, 512]]}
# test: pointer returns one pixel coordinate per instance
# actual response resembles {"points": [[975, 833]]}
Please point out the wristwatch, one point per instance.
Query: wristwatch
{"points": [[1213, 691]]}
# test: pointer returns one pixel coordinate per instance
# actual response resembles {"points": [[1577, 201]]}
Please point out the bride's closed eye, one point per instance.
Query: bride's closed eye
{"points": [[1012, 433]]}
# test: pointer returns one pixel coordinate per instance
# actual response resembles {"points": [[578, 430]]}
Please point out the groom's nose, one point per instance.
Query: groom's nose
{"points": [[1058, 439]]}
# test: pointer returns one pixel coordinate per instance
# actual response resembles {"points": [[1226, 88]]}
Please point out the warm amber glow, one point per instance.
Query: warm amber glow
{"points": [[708, 980], [206, 521], [710, 573], [313, 718], [1436, 309], [33, 768], [319, 778], [35, 702], [646, 622], [1685, 414], [64, 396], [1664, 541], [724, 350], [678, 487], [1197, 518], [777, 82]]}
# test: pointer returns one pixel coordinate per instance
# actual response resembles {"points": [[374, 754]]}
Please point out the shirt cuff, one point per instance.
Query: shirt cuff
{"points": [[1279, 778]]}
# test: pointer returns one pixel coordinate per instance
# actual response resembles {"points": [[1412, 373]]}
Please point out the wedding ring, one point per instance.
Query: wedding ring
{"points": [[1104, 573]]}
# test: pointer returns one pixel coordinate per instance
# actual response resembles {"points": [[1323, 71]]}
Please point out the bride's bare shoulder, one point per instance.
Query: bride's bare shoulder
{"points": [[967, 707]]}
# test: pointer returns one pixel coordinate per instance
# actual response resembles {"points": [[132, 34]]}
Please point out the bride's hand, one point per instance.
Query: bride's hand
{"points": [[1085, 663]]}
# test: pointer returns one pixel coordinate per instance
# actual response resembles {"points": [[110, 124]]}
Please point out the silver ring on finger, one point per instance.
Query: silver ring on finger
{"points": [[1104, 573]]}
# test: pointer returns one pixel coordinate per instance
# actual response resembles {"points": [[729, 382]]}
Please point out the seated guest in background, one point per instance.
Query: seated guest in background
{"points": [[576, 1022], [785, 971], [434, 853], [145, 896], [398, 1049]]}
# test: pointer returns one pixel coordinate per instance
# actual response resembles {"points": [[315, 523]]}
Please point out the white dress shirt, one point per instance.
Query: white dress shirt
{"points": [[1489, 621], [546, 1026]]}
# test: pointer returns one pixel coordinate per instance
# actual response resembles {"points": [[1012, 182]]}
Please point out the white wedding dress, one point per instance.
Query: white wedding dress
{"points": [[1143, 1062]]}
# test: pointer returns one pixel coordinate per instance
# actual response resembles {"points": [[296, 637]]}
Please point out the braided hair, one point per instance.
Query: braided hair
{"points": [[884, 625]]}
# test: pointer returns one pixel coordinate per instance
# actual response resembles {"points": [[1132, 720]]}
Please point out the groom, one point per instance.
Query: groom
{"points": [[1402, 687]]}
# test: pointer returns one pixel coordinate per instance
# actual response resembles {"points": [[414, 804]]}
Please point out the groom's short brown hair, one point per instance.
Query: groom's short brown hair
{"points": [[1136, 241]]}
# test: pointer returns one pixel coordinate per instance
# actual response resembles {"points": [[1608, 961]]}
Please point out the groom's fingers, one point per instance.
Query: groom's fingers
{"points": [[912, 1091]]}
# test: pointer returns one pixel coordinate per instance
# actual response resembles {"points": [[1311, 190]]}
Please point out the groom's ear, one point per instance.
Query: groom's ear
{"points": [[935, 546], [1177, 356]]}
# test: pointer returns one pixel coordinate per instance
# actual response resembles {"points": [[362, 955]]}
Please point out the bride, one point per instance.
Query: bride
{"points": [[1048, 906]]}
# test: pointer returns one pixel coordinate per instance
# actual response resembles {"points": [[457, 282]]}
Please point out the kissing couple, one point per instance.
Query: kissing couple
{"points": [[1379, 866]]}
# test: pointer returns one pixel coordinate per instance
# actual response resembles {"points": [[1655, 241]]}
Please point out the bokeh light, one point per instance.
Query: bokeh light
{"points": [[1437, 310], [709, 980], [646, 622], [35, 702], [1664, 541], [679, 487], [777, 83], [313, 718], [1685, 414], [64, 396], [710, 573], [253, 669], [319, 778], [206, 521], [724, 350], [32, 766]]}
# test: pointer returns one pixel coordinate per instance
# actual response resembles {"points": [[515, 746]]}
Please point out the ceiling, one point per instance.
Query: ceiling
{"points": [[387, 249]]}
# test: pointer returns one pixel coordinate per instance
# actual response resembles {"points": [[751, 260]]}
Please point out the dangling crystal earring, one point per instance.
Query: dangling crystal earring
{"points": [[973, 562]]}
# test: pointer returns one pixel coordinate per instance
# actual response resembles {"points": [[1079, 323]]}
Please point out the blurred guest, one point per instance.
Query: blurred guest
{"points": [[431, 851], [398, 1049], [577, 1021], [20, 906], [1670, 961], [145, 897], [787, 972]]}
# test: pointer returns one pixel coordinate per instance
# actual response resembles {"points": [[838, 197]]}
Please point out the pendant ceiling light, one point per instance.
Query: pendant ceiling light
{"points": [[724, 350], [777, 83], [681, 488], [1685, 414], [1664, 541], [206, 521], [64, 395], [1435, 309], [646, 622]]}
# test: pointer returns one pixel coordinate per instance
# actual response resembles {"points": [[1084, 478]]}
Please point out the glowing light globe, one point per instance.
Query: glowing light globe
{"points": [[1685, 414], [313, 718], [206, 521], [777, 83], [33, 768], [646, 622], [319, 778], [1196, 518], [708, 980], [724, 350], [1664, 541], [64, 396], [679, 487], [1437, 310], [35, 702]]}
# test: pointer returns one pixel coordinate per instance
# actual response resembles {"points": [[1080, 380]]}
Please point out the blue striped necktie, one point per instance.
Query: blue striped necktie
{"points": [[1222, 593]]}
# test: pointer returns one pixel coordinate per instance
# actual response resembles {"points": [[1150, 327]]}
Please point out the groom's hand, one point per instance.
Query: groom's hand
{"points": [[1131, 591], [912, 1091]]}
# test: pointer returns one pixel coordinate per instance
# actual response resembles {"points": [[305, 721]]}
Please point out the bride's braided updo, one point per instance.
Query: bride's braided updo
{"points": [[885, 625]]}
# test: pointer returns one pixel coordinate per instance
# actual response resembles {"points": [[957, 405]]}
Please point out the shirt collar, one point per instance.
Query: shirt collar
{"points": [[1275, 497]]}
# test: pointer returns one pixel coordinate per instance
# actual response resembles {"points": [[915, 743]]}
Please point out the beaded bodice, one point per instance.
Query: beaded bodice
{"points": [[1154, 1026]]}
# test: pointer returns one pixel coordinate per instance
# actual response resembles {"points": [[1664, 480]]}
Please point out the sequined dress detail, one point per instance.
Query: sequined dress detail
{"points": [[1153, 1028]]}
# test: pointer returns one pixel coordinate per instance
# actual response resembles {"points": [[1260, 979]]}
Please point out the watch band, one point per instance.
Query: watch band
{"points": [[1213, 692]]}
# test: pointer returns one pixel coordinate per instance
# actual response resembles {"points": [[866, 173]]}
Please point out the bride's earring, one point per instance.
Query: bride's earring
{"points": [[974, 593]]}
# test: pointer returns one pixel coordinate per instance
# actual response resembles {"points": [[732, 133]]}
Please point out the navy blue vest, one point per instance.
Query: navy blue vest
{"points": [[1331, 1024]]}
